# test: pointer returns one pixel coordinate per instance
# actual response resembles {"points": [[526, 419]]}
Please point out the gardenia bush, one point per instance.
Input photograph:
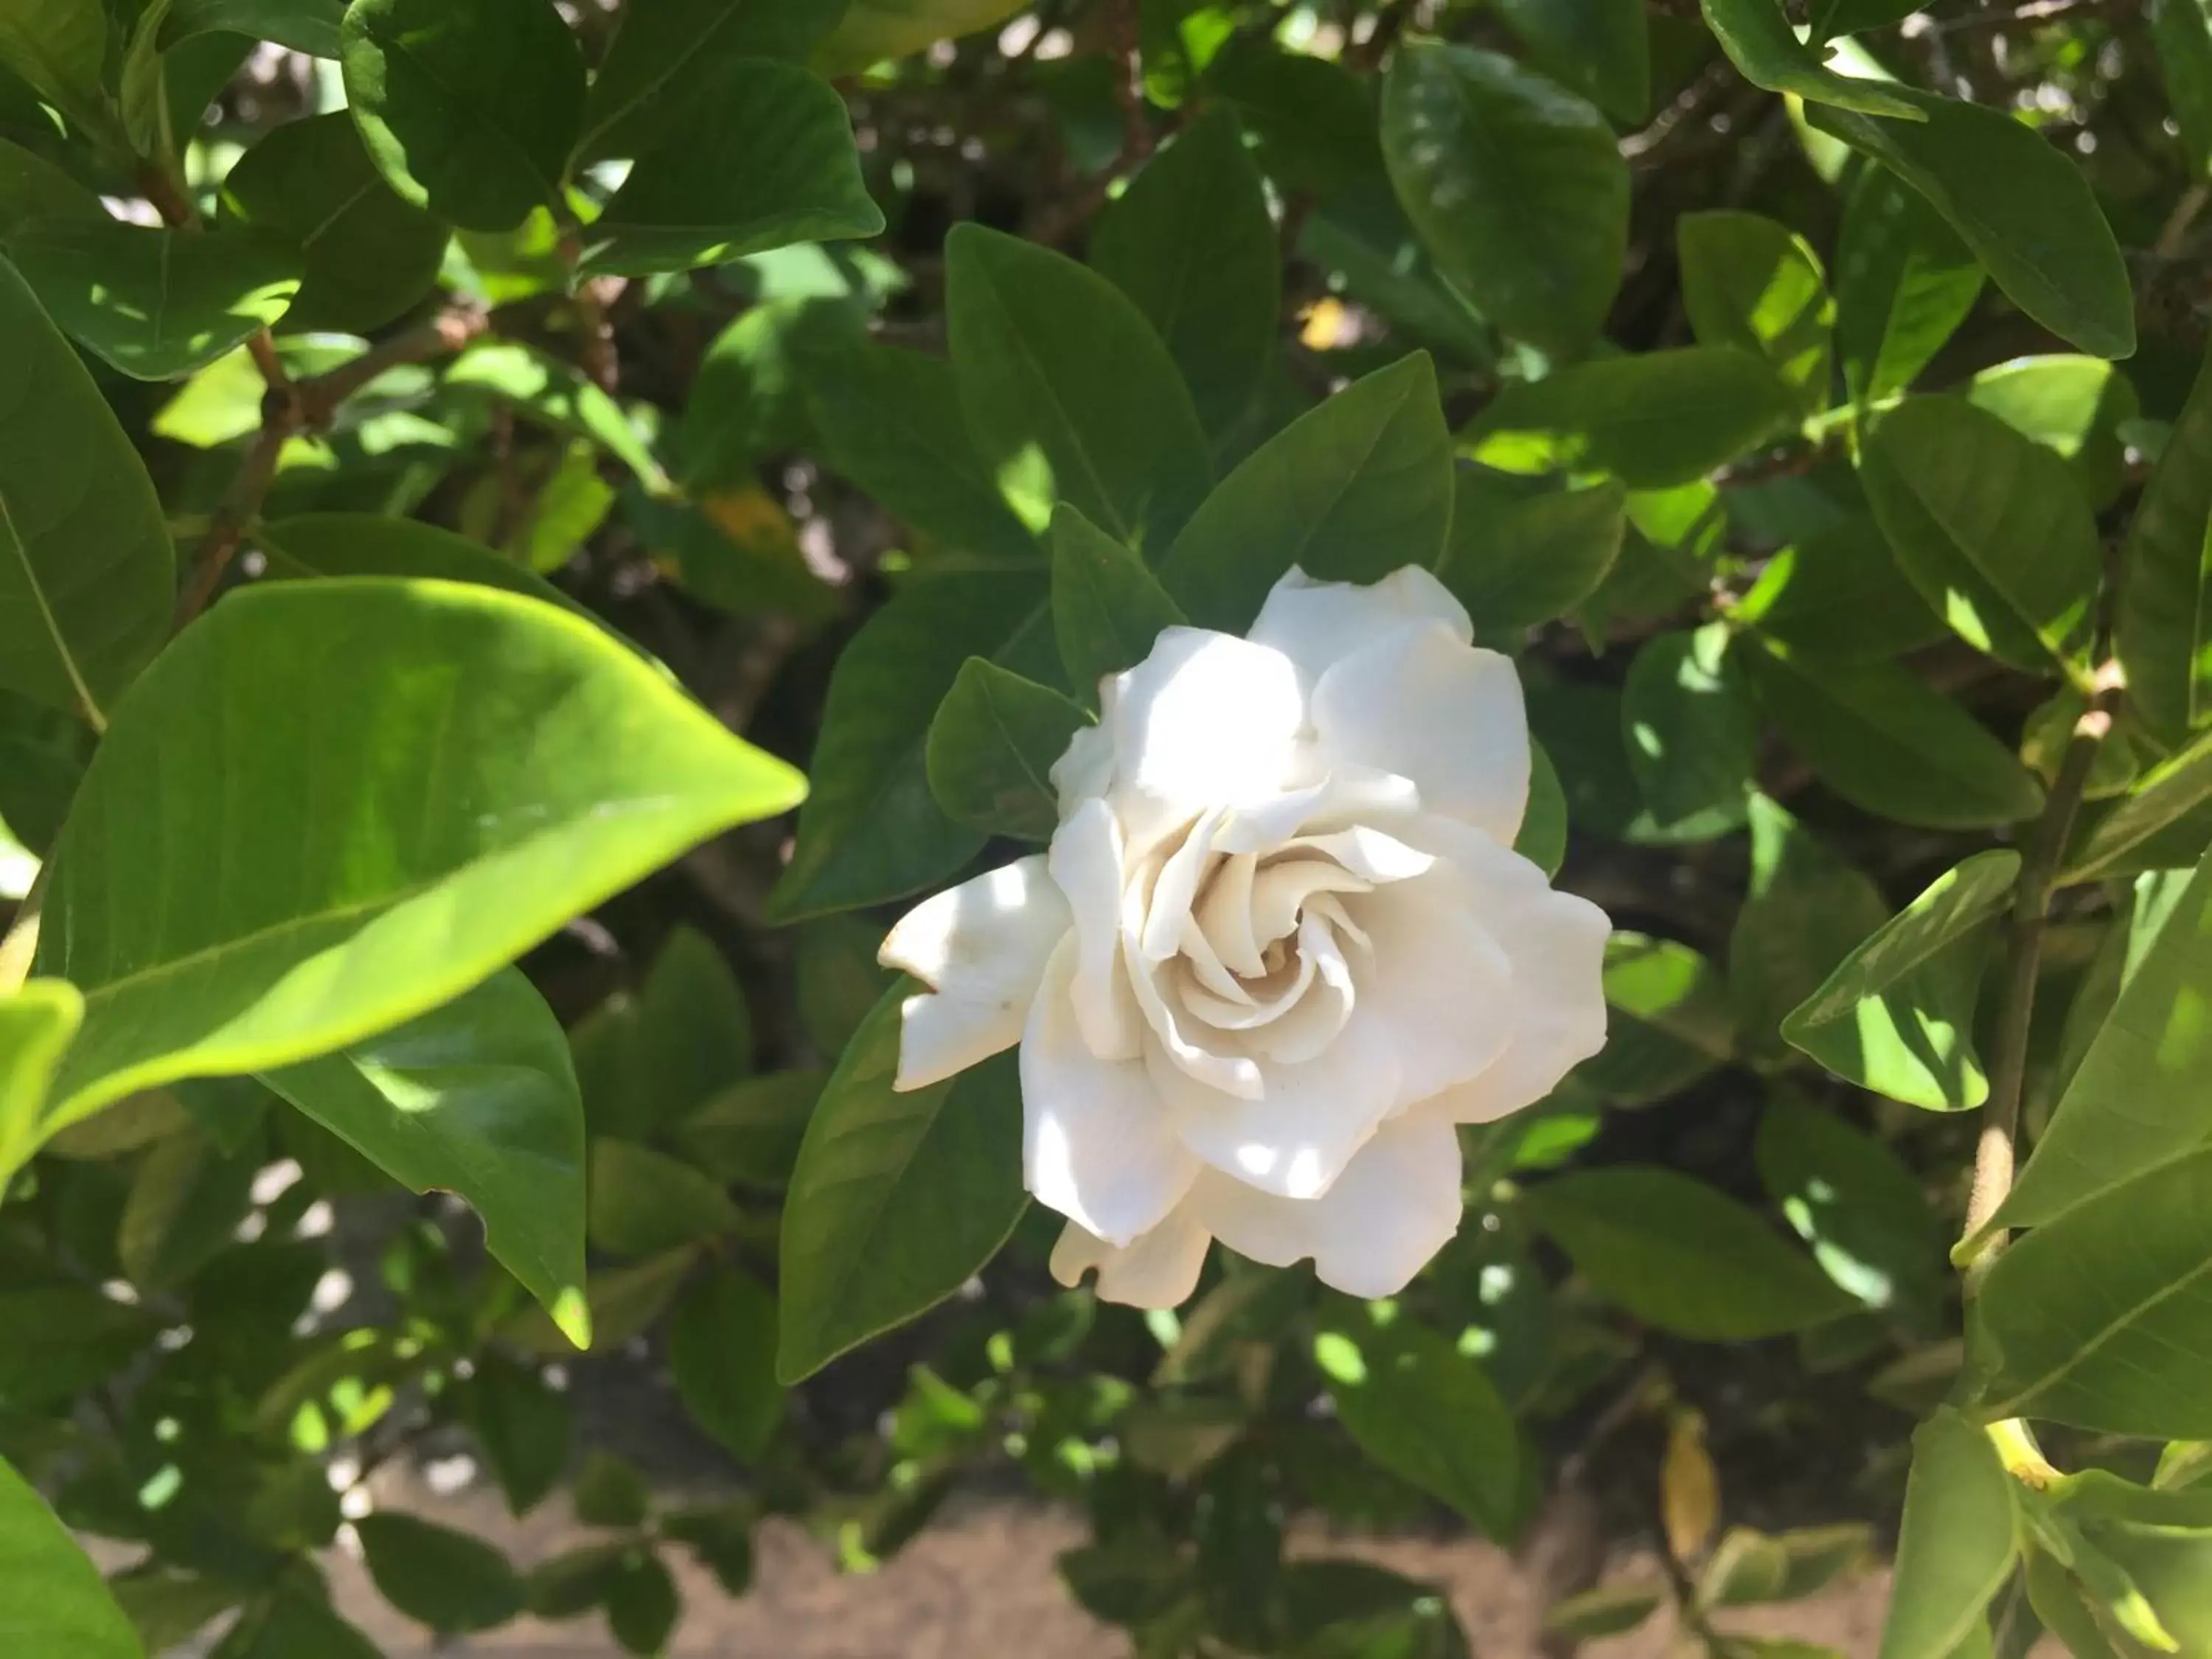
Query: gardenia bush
{"points": [[1296, 771]]}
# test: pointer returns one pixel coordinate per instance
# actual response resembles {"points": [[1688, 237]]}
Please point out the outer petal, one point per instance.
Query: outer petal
{"points": [[981, 947], [1207, 720], [1556, 943], [1422, 703], [1441, 985], [1096, 1144], [1318, 624], [1087, 864], [1393, 1207], [1159, 1270]]}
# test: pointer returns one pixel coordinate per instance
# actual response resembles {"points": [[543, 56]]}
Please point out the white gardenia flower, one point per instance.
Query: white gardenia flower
{"points": [[1280, 947]]}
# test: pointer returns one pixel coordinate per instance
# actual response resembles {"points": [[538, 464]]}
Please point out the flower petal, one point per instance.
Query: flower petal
{"points": [[1393, 1207], [1087, 864], [1422, 703], [1207, 720], [981, 947], [1439, 983], [1096, 1144], [1318, 624], [1159, 1270]]}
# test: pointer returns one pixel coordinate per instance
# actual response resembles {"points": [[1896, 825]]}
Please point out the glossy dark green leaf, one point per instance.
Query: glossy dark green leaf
{"points": [[1681, 1256], [157, 304], [1990, 526], [2137, 1097], [645, 1202], [873, 31], [1423, 1411], [2071, 404], [892, 422], [448, 1580], [1600, 48], [368, 256], [623, 1303], [1840, 594], [186, 1201], [1192, 242], [2182, 32], [763, 157], [59, 48], [468, 107], [1882, 741], [1760, 41], [560, 769], [2158, 826], [86, 574], [523, 1422], [2018, 202], [1653, 419], [308, 26], [751, 1131], [1107, 608], [1670, 1022], [1068, 391], [1834, 17], [559, 395], [2159, 630], [1897, 1016], [1807, 910], [899, 1198], [1690, 724], [57, 1603], [1350, 491], [1851, 1198], [1959, 1541], [33, 188], [872, 831], [1518, 561], [1543, 837], [312, 544], [1750, 282], [643, 1605], [1904, 283], [748, 400], [721, 1356], [476, 1098], [1516, 185], [992, 749], [664, 52]]}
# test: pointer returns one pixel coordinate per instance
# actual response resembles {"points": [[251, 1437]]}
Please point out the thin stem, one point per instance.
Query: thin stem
{"points": [[240, 507], [1129, 82], [448, 332]]}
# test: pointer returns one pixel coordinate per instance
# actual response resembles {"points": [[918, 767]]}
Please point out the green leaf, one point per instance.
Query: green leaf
{"points": [[1424, 1411], [186, 1201], [2181, 38], [2074, 405], [1600, 48], [651, 1061], [1959, 1541], [1192, 242], [2160, 629], [37, 1024], [1807, 910], [308, 26], [1904, 283], [468, 107], [2139, 830], [368, 256], [31, 188], [157, 304], [1516, 185], [449, 1581], [2137, 1098], [1518, 561], [1851, 1198], [1760, 42], [476, 1098], [57, 1603], [1671, 1021], [1897, 1016], [59, 47], [1839, 594], [320, 544], [296, 1623], [872, 831], [1068, 393], [664, 52], [1350, 491], [762, 157], [748, 400], [620, 1304], [1654, 420], [1608, 1610], [721, 1355], [87, 576], [524, 1425], [1990, 526], [992, 748], [560, 396], [2019, 202], [1679, 1256], [876, 31], [1107, 608], [1834, 17], [1543, 837], [1882, 741], [1750, 282], [899, 1198], [1690, 724], [644, 1202], [751, 1131], [486, 768], [643, 1605], [890, 421]]}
